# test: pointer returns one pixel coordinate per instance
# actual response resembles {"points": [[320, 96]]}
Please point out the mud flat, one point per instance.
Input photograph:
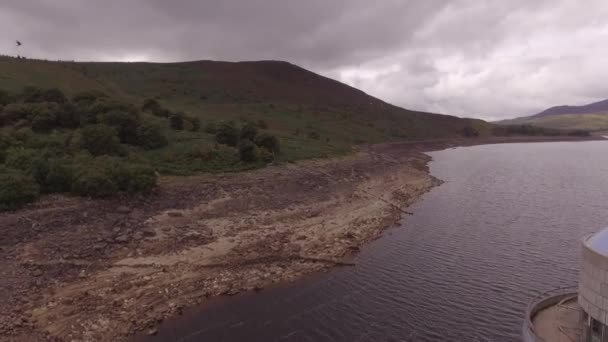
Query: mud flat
{"points": [[74, 270]]}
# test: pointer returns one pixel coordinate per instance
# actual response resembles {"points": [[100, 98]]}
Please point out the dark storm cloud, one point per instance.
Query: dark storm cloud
{"points": [[482, 58]]}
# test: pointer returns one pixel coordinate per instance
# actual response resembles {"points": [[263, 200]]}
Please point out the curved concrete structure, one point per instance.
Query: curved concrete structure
{"points": [[556, 316], [593, 281]]}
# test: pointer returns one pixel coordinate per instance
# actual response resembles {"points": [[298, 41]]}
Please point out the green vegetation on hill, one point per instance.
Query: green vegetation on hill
{"points": [[585, 122], [94, 129], [92, 145]]}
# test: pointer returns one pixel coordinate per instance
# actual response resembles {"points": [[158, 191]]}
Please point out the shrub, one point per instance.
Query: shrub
{"points": [[13, 112], [150, 136], [227, 134], [266, 156], [22, 159], [211, 128], [177, 122], [269, 142], [205, 152], [54, 95], [314, 135], [100, 140], [124, 122], [44, 120], [248, 151], [22, 134], [249, 131], [133, 178], [59, 176], [152, 106], [6, 142], [32, 94], [67, 116], [262, 124], [5, 98], [16, 189], [196, 124], [87, 98], [94, 183]]}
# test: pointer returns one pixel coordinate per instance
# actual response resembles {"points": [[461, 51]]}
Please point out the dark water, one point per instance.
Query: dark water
{"points": [[505, 225]]}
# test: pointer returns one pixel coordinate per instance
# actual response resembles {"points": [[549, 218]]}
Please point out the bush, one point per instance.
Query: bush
{"points": [[249, 131], [227, 134], [269, 142], [59, 176], [152, 106], [150, 136], [54, 95], [196, 124], [211, 128], [262, 124], [248, 151], [36, 95], [205, 152], [314, 135], [16, 189], [67, 116], [94, 183], [44, 120], [177, 122], [22, 159], [14, 112], [266, 156], [5, 98], [124, 122], [87, 98], [100, 140], [133, 178], [22, 134]]}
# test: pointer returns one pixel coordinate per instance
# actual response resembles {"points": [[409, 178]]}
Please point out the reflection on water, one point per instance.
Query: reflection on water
{"points": [[504, 226]]}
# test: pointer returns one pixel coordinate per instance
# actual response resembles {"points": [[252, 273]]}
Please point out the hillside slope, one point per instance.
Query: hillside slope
{"points": [[592, 117], [292, 100]]}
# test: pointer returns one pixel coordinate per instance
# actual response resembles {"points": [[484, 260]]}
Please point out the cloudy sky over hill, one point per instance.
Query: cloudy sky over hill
{"points": [[482, 58]]}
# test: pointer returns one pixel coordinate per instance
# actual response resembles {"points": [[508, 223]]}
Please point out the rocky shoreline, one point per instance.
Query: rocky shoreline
{"points": [[76, 270]]}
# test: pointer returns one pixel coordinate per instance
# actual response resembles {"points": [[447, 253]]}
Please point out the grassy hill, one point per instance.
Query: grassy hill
{"points": [[590, 117], [589, 122], [95, 129], [293, 101]]}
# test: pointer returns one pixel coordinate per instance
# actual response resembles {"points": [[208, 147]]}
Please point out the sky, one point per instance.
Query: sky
{"points": [[489, 59]]}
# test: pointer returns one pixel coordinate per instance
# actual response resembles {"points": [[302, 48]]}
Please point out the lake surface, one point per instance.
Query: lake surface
{"points": [[505, 226]]}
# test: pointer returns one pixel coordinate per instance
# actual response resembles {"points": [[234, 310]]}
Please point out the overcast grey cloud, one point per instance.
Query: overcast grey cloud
{"points": [[490, 59]]}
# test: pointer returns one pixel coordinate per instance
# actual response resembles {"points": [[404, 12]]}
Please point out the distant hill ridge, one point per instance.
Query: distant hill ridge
{"points": [[599, 107]]}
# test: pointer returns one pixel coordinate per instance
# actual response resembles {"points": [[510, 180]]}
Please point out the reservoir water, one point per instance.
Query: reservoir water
{"points": [[504, 226]]}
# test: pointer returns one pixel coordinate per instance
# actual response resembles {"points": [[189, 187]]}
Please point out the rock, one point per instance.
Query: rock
{"points": [[123, 209], [152, 331], [37, 273], [122, 239], [138, 236], [175, 214]]}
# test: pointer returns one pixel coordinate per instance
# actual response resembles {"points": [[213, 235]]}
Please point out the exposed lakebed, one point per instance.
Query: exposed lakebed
{"points": [[505, 225]]}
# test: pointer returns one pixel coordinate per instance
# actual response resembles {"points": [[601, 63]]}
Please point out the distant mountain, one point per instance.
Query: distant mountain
{"points": [[600, 107], [592, 117]]}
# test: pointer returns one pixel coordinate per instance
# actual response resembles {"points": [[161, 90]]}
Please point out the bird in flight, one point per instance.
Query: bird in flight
{"points": [[18, 43]]}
